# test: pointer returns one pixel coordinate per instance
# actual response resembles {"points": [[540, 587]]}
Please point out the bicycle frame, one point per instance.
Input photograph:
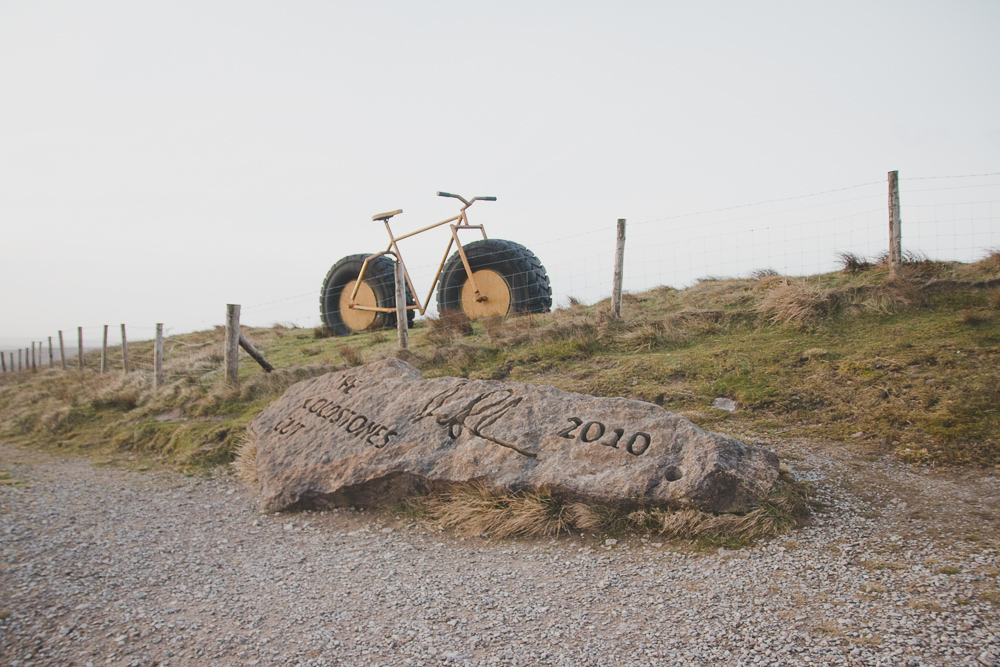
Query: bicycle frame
{"points": [[461, 221]]}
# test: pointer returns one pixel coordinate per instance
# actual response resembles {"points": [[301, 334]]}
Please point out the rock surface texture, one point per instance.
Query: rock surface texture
{"points": [[381, 432]]}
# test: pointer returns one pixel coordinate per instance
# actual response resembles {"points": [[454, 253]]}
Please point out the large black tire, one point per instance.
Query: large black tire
{"points": [[379, 276], [526, 282]]}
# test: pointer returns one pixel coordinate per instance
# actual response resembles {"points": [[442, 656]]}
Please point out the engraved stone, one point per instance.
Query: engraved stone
{"points": [[379, 433]]}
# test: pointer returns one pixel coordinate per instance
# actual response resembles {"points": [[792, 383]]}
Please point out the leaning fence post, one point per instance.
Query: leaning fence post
{"points": [[104, 351], [895, 235], [79, 343], [52, 361], [401, 315], [231, 352], [62, 351], [124, 350], [616, 294], [158, 357], [255, 353]]}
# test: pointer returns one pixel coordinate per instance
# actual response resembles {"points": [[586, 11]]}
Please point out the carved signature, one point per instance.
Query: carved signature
{"points": [[475, 414]]}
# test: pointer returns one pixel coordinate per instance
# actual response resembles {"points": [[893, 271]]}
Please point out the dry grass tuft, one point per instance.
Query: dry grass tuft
{"points": [[794, 303], [648, 337], [323, 332], [852, 264], [245, 463], [887, 298], [494, 326], [350, 355], [760, 274], [273, 384], [448, 326], [586, 517], [995, 299], [970, 318], [992, 259], [475, 509]]}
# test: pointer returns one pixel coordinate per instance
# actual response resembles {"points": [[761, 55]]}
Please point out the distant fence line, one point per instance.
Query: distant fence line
{"points": [[673, 252]]}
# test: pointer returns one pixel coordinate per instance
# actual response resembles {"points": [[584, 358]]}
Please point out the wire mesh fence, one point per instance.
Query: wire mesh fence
{"points": [[944, 218]]}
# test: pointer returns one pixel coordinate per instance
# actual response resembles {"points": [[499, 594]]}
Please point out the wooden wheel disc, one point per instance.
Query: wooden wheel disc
{"points": [[492, 286], [357, 320]]}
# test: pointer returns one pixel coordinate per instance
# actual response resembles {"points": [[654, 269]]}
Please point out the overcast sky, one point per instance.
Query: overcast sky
{"points": [[161, 159]]}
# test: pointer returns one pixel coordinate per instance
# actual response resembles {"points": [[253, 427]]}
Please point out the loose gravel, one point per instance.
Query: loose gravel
{"points": [[100, 565]]}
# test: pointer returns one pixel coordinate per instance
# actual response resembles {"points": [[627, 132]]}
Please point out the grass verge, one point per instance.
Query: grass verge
{"points": [[478, 510], [906, 365]]}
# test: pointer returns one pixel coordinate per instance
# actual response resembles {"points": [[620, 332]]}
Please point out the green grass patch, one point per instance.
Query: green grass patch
{"points": [[907, 367]]}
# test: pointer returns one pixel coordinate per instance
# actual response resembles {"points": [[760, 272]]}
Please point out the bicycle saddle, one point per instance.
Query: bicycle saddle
{"points": [[386, 216]]}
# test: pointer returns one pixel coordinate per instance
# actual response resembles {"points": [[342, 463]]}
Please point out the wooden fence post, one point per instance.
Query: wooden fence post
{"points": [[33, 366], [3, 362], [19, 366], [104, 351], [616, 294], [62, 351], [231, 352], [79, 343], [124, 350], [52, 362], [255, 354], [158, 357], [401, 315], [895, 235]]}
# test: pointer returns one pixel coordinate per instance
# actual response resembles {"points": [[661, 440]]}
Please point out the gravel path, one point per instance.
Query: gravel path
{"points": [[104, 566]]}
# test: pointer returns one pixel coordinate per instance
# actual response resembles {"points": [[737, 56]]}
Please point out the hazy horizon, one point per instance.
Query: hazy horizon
{"points": [[164, 160]]}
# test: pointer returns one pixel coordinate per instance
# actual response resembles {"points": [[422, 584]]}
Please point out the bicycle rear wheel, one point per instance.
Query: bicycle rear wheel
{"points": [[377, 289]]}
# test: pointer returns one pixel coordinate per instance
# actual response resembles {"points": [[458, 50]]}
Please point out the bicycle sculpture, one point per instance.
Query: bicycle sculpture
{"points": [[487, 278]]}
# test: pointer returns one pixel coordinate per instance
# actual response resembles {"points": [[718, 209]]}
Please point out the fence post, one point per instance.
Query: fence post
{"points": [[62, 351], [79, 343], [33, 366], [158, 357], [231, 352], [3, 362], [19, 366], [52, 362], [895, 235], [401, 315], [616, 294], [104, 351], [124, 350], [255, 353]]}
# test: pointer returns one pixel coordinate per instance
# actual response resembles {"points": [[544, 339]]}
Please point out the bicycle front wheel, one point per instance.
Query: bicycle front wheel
{"points": [[510, 279]]}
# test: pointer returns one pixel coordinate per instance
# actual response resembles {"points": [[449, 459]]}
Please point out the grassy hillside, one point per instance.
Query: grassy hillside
{"points": [[908, 366]]}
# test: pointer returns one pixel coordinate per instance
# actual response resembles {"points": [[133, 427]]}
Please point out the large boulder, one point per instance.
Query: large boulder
{"points": [[378, 433]]}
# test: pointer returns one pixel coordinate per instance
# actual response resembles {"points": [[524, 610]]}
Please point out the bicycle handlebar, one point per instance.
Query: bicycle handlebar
{"points": [[462, 199]]}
